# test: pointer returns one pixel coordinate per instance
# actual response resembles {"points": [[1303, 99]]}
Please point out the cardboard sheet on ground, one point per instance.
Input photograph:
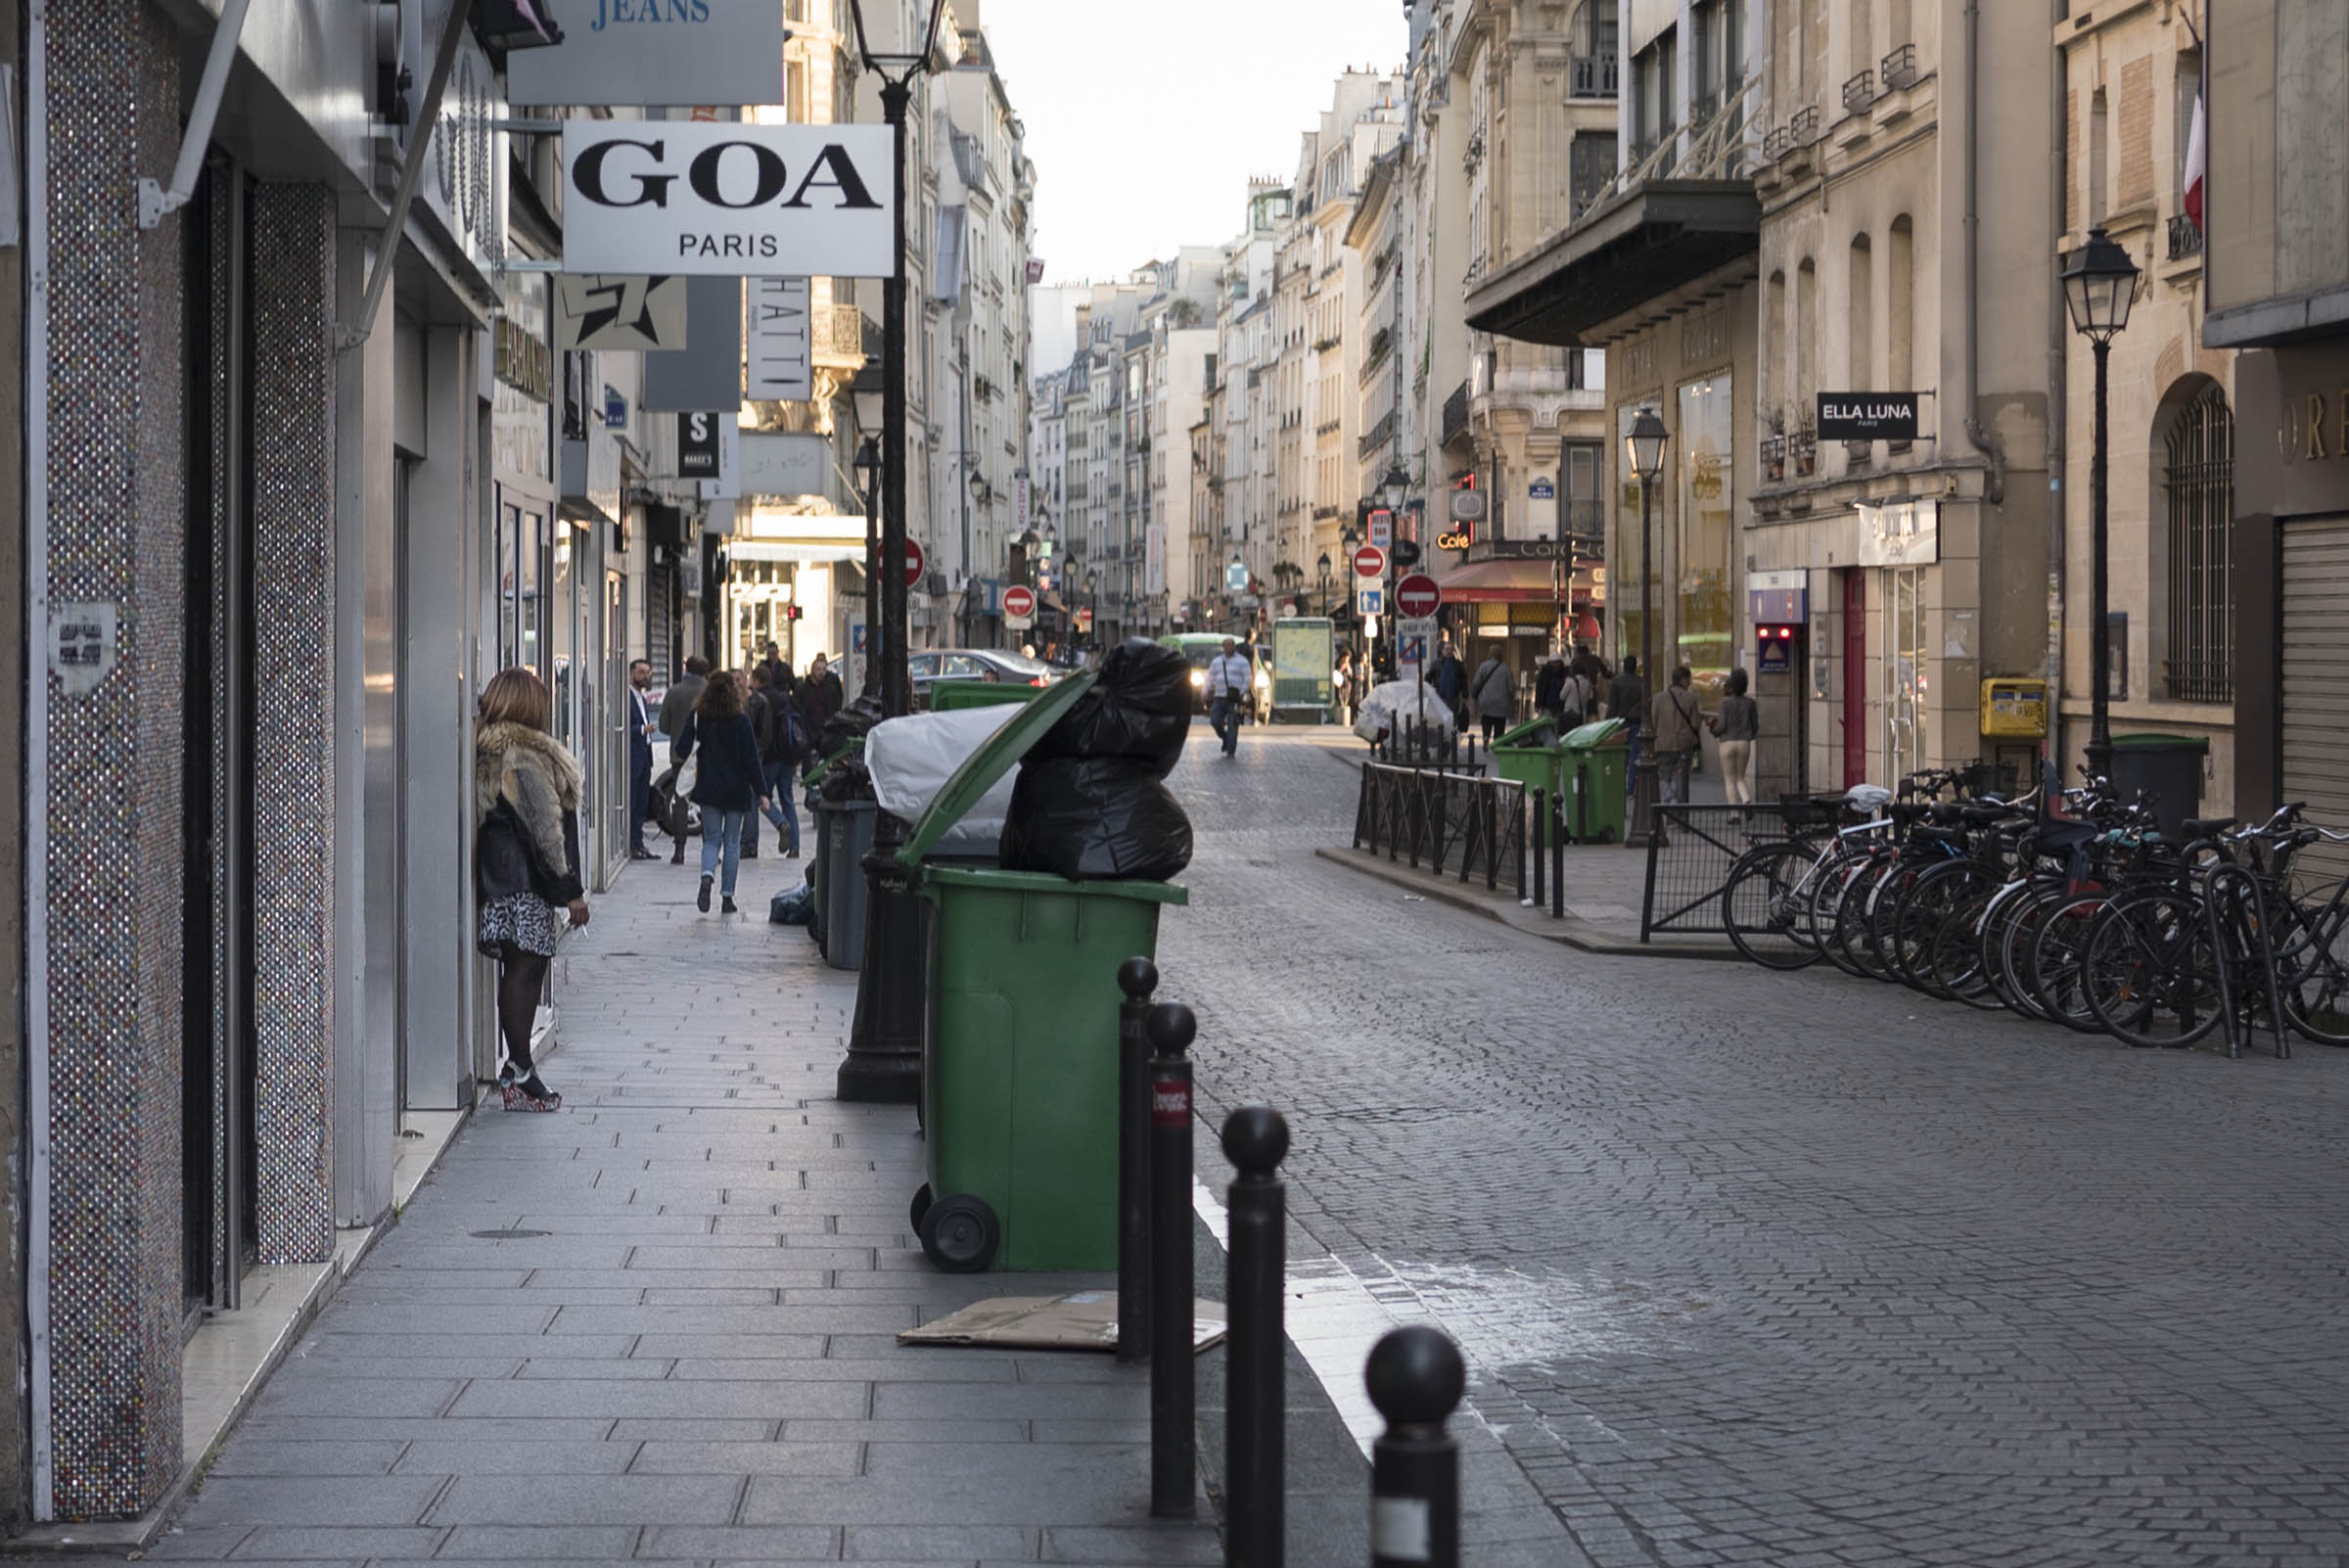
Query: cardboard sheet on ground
{"points": [[1083, 1320]]}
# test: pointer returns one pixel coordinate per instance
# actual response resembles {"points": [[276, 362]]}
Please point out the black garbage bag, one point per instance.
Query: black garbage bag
{"points": [[853, 723], [1095, 819], [1139, 710], [848, 779]]}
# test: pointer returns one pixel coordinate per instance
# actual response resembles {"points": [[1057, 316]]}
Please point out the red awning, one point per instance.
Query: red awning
{"points": [[1502, 582]]}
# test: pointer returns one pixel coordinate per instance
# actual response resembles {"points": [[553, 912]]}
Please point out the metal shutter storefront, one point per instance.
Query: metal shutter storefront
{"points": [[2315, 698], [661, 623]]}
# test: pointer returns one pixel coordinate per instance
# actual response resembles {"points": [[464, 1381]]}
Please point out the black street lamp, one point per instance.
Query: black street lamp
{"points": [[868, 470], [1394, 489], [1644, 450], [897, 56], [2099, 285], [1325, 568]]}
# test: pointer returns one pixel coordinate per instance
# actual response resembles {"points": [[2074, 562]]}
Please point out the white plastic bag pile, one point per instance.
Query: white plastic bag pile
{"points": [[911, 759]]}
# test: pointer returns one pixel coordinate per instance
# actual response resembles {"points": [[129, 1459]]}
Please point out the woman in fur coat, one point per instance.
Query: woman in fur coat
{"points": [[525, 862]]}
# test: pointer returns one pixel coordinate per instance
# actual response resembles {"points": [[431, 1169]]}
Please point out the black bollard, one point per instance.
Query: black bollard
{"points": [[1539, 831], [1173, 1380], [1416, 1377], [1137, 978], [1255, 1139], [1557, 858]]}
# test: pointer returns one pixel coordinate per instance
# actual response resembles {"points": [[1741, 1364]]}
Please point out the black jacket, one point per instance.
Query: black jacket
{"points": [[731, 777]]}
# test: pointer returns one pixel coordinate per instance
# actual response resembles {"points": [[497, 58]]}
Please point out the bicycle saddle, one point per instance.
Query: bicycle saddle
{"points": [[2205, 827]]}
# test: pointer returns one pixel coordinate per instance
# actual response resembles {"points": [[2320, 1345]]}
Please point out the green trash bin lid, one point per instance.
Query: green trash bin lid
{"points": [[2199, 745], [1523, 735], [1590, 737], [1000, 754]]}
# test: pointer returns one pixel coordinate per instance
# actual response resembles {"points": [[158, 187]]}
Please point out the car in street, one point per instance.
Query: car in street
{"points": [[932, 666], [1199, 648]]}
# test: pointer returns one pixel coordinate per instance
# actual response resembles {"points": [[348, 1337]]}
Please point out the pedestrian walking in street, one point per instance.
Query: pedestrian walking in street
{"points": [[1450, 677], [1341, 682], [752, 708], [676, 709], [820, 698], [1737, 726], [1625, 695], [1549, 690], [782, 743], [525, 863], [640, 757], [778, 674], [1578, 698], [1677, 716], [1494, 692], [732, 782], [1592, 669], [1228, 676]]}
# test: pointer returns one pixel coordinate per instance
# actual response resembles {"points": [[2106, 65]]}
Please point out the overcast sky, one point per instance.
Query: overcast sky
{"points": [[1145, 122]]}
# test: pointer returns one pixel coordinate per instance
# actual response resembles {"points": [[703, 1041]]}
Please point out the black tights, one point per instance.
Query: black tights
{"points": [[520, 982]]}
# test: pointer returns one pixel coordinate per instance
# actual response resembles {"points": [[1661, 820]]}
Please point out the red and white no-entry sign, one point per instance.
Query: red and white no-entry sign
{"points": [[1019, 603], [1417, 595], [1369, 562], [913, 564]]}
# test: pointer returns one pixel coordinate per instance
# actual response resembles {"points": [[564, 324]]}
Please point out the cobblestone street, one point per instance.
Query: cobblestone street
{"points": [[1796, 1269]]}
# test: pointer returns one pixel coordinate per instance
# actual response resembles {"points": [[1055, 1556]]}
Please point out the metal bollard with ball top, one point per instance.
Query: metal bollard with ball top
{"points": [[1256, 1141], [1173, 1380], [1416, 1377], [1137, 978]]}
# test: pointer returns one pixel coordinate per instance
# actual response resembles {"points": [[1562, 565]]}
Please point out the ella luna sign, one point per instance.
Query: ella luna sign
{"points": [[728, 199], [1867, 416]]}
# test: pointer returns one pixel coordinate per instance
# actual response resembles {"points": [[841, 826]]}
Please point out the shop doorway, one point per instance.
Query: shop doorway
{"points": [[219, 765], [1906, 680]]}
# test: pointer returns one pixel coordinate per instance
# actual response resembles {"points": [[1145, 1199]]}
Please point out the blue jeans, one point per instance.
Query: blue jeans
{"points": [[721, 833], [1223, 715], [781, 809]]}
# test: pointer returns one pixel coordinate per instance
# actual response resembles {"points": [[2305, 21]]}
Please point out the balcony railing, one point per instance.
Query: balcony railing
{"points": [[1593, 76], [1582, 518], [1859, 92], [1800, 131], [2185, 239], [1900, 67], [1456, 415]]}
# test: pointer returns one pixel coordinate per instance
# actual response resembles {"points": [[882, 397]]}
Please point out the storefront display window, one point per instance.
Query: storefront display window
{"points": [[1905, 671], [1706, 620]]}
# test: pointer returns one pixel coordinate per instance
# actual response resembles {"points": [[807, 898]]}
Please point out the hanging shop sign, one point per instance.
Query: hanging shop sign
{"points": [[779, 351], [1458, 537], [649, 52], [700, 447], [728, 199], [619, 311], [1867, 416]]}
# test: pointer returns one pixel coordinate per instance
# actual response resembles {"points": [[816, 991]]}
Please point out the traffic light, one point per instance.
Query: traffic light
{"points": [[792, 612]]}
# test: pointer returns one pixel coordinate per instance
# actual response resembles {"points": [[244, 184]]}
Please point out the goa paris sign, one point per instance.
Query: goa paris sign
{"points": [[646, 52], [728, 199]]}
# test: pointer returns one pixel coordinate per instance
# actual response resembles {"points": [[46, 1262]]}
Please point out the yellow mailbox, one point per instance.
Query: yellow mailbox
{"points": [[2014, 708]]}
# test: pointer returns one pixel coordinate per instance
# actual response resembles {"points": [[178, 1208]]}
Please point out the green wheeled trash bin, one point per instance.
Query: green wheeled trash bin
{"points": [[1532, 756], [1595, 755], [2165, 768], [1019, 1051], [951, 696]]}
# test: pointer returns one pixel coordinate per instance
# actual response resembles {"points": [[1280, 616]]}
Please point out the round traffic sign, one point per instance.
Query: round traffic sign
{"points": [[1417, 595], [1369, 562], [913, 562], [1019, 603]]}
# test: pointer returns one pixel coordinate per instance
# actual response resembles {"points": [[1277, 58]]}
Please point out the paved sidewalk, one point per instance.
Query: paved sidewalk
{"points": [[658, 1324]]}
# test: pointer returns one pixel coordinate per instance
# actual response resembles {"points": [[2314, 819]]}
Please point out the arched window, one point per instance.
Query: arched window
{"points": [[2200, 480]]}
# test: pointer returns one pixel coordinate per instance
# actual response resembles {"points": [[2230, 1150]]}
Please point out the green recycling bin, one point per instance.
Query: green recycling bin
{"points": [[1594, 764], [950, 696], [1530, 754], [1019, 1051]]}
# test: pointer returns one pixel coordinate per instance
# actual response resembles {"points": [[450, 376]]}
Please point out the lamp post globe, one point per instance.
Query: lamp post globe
{"points": [[1643, 453], [1395, 488], [2099, 285]]}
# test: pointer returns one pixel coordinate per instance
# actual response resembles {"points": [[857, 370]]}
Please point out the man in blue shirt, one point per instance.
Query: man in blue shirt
{"points": [[1227, 681]]}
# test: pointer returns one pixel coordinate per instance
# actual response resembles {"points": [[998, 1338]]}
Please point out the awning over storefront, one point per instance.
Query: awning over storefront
{"points": [[1644, 242], [1502, 582]]}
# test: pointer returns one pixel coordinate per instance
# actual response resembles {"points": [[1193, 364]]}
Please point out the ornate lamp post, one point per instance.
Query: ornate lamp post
{"points": [[1324, 565], [2099, 285], [868, 470], [1643, 451]]}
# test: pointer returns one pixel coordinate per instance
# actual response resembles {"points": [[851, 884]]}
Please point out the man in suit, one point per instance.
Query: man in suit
{"points": [[640, 757], [676, 707]]}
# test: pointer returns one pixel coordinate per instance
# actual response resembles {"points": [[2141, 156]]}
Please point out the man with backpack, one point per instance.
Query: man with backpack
{"points": [[782, 737]]}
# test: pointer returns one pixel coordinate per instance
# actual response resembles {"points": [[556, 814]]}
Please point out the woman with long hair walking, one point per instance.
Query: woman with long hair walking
{"points": [[1739, 726], [525, 862], [731, 784]]}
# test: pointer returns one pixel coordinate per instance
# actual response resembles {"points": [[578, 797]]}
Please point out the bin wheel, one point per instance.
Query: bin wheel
{"points": [[921, 1206], [959, 1234], [1606, 835]]}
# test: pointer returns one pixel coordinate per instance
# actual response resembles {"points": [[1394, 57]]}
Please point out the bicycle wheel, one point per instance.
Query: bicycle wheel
{"points": [[2004, 927], [1826, 910], [2150, 972], [2052, 970], [1959, 971], [1917, 915], [2312, 970], [1855, 919], [1763, 907]]}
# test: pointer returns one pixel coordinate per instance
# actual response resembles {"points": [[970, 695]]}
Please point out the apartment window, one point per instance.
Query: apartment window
{"points": [[1594, 49], [1900, 305], [1863, 316], [1802, 348], [1591, 163], [2200, 480], [1652, 85], [2098, 170]]}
